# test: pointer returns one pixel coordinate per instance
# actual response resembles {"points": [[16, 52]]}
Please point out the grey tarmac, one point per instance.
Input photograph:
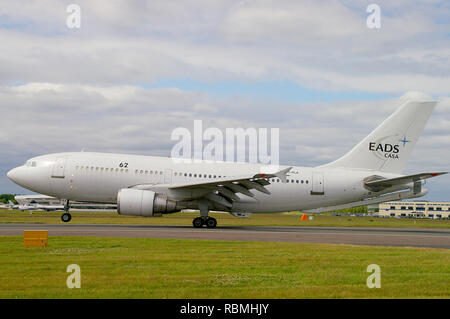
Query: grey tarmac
{"points": [[406, 237]]}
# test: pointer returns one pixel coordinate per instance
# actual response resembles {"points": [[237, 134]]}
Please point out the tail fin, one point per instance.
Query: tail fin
{"points": [[389, 146]]}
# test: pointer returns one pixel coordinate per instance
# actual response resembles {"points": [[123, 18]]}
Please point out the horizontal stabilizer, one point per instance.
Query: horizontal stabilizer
{"points": [[375, 200], [383, 183]]}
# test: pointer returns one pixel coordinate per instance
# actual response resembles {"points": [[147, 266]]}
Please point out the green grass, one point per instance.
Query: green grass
{"points": [[284, 219], [173, 268]]}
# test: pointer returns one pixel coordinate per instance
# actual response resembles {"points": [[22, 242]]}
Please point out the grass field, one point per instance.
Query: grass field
{"points": [[174, 268], [171, 268], [284, 219]]}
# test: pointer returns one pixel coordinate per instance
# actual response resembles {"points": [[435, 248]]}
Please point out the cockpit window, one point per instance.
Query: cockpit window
{"points": [[30, 163]]}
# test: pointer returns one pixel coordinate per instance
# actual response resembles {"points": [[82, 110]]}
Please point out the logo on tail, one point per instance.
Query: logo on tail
{"points": [[385, 150], [404, 141]]}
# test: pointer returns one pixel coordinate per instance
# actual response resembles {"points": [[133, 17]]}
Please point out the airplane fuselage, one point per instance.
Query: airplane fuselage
{"points": [[98, 177]]}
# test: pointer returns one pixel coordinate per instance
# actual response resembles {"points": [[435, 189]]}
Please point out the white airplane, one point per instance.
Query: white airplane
{"points": [[149, 186], [5, 206], [33, 202], [48, 208], [21, 207], [34, 206]]}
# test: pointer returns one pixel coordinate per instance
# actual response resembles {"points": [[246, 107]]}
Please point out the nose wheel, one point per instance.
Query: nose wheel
{"points": [[66, 217]]}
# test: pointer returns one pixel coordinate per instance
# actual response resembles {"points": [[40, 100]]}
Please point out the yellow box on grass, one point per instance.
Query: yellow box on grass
{"points": [[35, 238]]}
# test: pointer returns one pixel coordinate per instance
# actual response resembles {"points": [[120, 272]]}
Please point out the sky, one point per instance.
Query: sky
{"points": [[136, 70]]}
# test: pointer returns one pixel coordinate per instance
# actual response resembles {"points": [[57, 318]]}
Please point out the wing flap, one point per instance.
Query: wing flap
{"points": [[223, 190], [260, 178]]}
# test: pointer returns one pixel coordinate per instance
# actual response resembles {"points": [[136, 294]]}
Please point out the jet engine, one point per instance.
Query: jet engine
{"points": [[145, 203]]}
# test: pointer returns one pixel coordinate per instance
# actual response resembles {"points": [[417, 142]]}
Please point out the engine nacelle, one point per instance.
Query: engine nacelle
{"points": [[145, 203]]}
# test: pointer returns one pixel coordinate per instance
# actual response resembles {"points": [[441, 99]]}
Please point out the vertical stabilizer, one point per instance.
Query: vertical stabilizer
{"points": [[389, 146]]}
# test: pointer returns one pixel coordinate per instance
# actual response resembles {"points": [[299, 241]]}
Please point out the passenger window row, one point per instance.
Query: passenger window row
{"points": [[277, 180], [197, 175], [148, 172], [101, 169], [151, 172]]}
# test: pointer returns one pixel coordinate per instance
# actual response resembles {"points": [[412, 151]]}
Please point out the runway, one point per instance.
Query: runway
{"points": [[433, 238]]}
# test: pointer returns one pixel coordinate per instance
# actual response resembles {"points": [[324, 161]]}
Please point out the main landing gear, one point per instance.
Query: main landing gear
{"points": [[66, 217], [209, 222], [204, 219]]}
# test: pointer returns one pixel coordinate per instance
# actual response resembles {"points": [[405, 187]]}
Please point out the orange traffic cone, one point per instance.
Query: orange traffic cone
{"points": [[304, 217]]}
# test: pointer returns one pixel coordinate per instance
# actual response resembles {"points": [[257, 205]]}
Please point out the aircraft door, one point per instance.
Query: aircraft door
{"points": [[317, 184], [59, 168], [58, 183]]}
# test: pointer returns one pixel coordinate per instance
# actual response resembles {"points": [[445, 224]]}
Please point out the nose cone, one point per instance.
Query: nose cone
{"points": [[17, 175], [33, 178], [12, 174]]}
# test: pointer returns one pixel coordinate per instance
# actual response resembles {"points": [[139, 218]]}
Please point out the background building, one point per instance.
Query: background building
{"points": [[414, 209]]}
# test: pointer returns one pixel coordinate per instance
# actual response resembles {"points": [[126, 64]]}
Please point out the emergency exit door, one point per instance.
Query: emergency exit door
{"points": [[317, 184]]}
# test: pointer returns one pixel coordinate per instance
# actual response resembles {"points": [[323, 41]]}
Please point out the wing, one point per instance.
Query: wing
{"points": [[382, 183], [222, 191]]}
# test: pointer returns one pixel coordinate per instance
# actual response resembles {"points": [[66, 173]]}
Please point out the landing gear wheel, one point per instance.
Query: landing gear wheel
{"points": [[197, 222], [211, 222], [66, 217]]}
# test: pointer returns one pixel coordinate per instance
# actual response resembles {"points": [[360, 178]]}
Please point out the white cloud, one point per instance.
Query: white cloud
{"points": [[318, 44], [203, 107]]}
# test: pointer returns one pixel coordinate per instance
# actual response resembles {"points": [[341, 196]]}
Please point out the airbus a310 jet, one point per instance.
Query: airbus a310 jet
{"points": [[150, 186]]}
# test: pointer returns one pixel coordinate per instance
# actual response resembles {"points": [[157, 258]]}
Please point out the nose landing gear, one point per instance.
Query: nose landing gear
{"points": [[66, 217]]}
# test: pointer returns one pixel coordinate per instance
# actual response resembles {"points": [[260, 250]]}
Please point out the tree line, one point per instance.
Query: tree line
{"points": [[5, 198]]}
